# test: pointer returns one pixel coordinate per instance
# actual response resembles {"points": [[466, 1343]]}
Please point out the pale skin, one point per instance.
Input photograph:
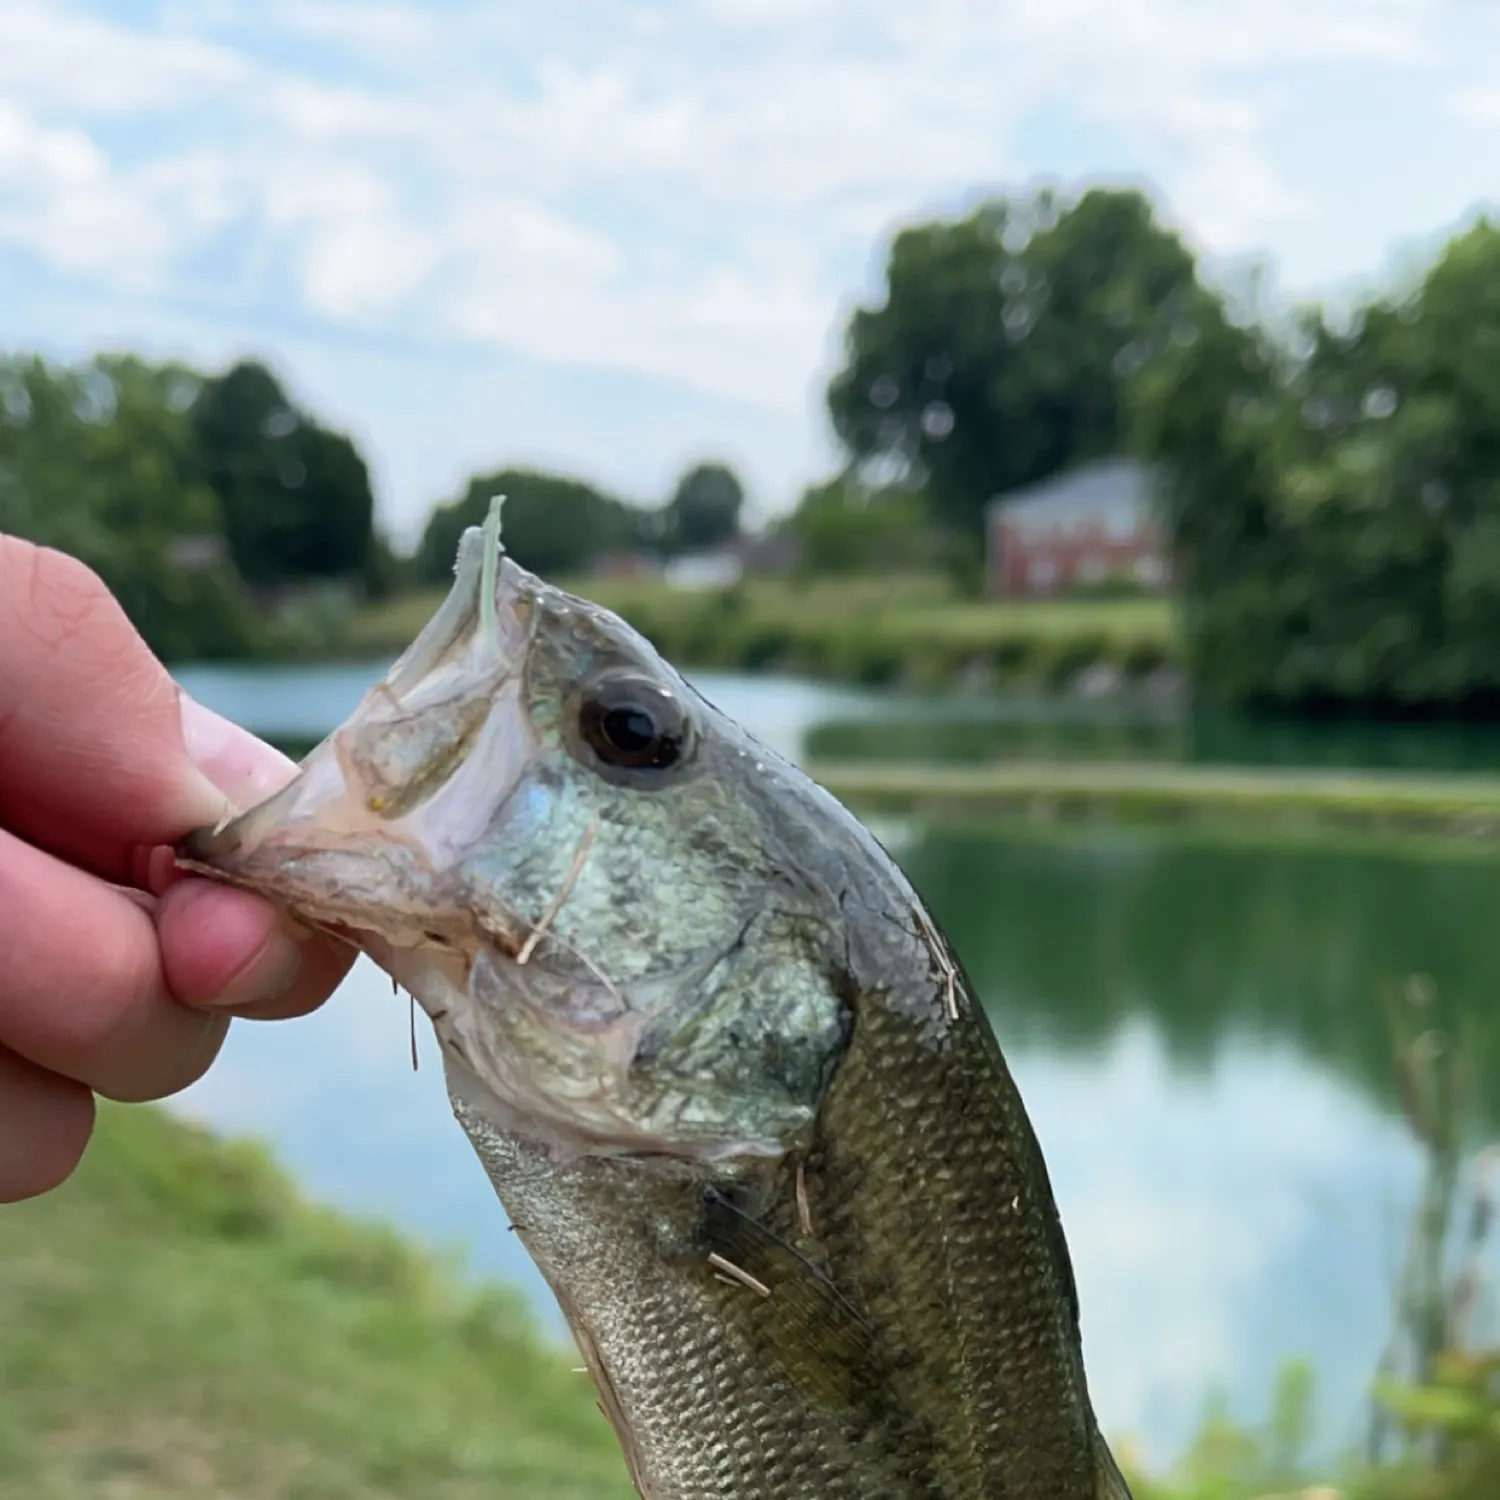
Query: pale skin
{"points": [[118, 975]]}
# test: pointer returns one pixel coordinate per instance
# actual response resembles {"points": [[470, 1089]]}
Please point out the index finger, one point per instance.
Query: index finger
{"points": [[93, 765]]}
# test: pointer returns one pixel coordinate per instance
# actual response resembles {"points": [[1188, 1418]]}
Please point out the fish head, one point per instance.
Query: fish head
{"points": [[614, 905]]}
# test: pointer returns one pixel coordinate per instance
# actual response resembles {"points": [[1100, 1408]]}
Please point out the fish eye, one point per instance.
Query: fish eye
{"points": [[632, 724]]}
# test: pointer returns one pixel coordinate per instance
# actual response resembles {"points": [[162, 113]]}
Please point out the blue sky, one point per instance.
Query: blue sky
{"points": [[616, 237]]}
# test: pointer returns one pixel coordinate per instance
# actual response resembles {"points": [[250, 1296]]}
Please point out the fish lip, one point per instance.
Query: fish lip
{"points": [[452, 615], [201, 849], [227, 851]]}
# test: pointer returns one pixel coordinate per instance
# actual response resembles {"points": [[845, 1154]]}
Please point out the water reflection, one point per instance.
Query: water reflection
{"points": [[1018, 729], [1197, 1030], [1217, 946]]}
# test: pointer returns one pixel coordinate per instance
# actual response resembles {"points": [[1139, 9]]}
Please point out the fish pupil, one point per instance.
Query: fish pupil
{"points": [[625, 731], [629, 730]]}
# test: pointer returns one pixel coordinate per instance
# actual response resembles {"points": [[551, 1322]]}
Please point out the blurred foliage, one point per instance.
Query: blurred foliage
{"points": [[176, 1322], [98, 460], [1435, 1428], [1436, 1400], [1438, 1391], [551, 524], [295, 496], [1455, 1416], [1228, 1460], [185, 493], [1000, 353], [1334, 495], [554, 524], [844, 526], [1331, 486], [704, 511], [875, 629]]}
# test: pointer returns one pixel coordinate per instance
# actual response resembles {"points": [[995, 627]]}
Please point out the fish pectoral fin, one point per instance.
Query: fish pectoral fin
{"points": [[812, 1329], [1111, 1482]]}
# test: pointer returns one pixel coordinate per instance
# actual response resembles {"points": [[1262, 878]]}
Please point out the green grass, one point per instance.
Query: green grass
{"points": [[869, 630], [1269, 802], [176, 1324]]}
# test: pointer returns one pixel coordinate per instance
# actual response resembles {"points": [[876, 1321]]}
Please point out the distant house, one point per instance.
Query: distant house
{"points": [[1079, 528], [717, 568], [772, 553], [626, 565], [723, 567]]}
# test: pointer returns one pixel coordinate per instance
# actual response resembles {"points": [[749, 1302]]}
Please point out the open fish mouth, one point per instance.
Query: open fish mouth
{"points": [[367, 838]]}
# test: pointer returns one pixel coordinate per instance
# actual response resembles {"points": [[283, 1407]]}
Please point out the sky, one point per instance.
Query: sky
{"points": [[617, 238]]}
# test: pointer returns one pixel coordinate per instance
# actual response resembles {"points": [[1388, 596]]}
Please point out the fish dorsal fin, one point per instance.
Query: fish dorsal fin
{"points": [[817, 1335], [1110, 1484]]}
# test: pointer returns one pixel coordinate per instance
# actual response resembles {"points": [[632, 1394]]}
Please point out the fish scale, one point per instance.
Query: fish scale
{"points": [[981, 1390]]}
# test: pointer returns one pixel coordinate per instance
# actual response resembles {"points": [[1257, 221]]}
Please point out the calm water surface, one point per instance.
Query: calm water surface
{"points": [[1197, 1030]]}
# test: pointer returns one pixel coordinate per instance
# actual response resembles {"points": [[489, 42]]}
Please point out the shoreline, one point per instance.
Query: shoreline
{"points": [[1454, 809]]}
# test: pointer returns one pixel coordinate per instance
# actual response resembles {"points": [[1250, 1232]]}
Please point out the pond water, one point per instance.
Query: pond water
{"points": [[1198, 1030]]}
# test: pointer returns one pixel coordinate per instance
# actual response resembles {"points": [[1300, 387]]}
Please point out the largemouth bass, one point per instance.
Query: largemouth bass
{"points": [[729, 1081]]}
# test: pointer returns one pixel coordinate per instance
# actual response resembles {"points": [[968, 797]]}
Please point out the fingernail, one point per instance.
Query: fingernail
{"points": [[268, 976], [243, 768]]}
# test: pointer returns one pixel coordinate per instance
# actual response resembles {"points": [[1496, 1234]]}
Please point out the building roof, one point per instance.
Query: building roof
{"points": [[1097, 491]]}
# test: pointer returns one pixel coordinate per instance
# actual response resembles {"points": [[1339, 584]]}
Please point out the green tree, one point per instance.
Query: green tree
{"points": [[704, 510], [552, 524], [97, 460], [1334, 499], [999, 353], [296, 496], [842, 526]]}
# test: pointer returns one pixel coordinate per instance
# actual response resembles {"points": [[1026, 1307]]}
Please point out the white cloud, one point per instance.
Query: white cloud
{"points": [[691, 189], [64, 57], [30, 153], [1477, 105], [386, 33], [61, 199]]}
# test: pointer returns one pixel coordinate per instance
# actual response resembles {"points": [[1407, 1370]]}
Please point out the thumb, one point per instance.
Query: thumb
{"points": [[245, 769]]}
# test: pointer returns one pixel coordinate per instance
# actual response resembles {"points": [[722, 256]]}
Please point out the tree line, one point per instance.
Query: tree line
{"points": [[1329, 481], [221, 512], [1329, 485], [195, 498], [556, 525]]}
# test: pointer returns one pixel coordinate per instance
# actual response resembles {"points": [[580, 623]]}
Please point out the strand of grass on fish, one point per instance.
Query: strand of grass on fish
{"points": [[729, 1083]]}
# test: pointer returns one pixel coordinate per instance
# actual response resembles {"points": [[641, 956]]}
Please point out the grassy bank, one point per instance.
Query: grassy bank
{"points": [[176, 1324], [910, 631], [1263, 801]]}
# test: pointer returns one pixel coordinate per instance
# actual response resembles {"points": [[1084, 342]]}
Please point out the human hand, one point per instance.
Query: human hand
{"points": [[118, 974]]}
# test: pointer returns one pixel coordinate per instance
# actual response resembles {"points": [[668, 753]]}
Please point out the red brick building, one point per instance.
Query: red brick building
{"points": [[1081, 528]]}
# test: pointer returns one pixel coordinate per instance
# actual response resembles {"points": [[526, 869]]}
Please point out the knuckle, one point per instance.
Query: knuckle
{"points": [[114, 984]]}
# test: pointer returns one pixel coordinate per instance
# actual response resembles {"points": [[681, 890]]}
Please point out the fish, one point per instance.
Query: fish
{"points": [[729, 1080]]}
